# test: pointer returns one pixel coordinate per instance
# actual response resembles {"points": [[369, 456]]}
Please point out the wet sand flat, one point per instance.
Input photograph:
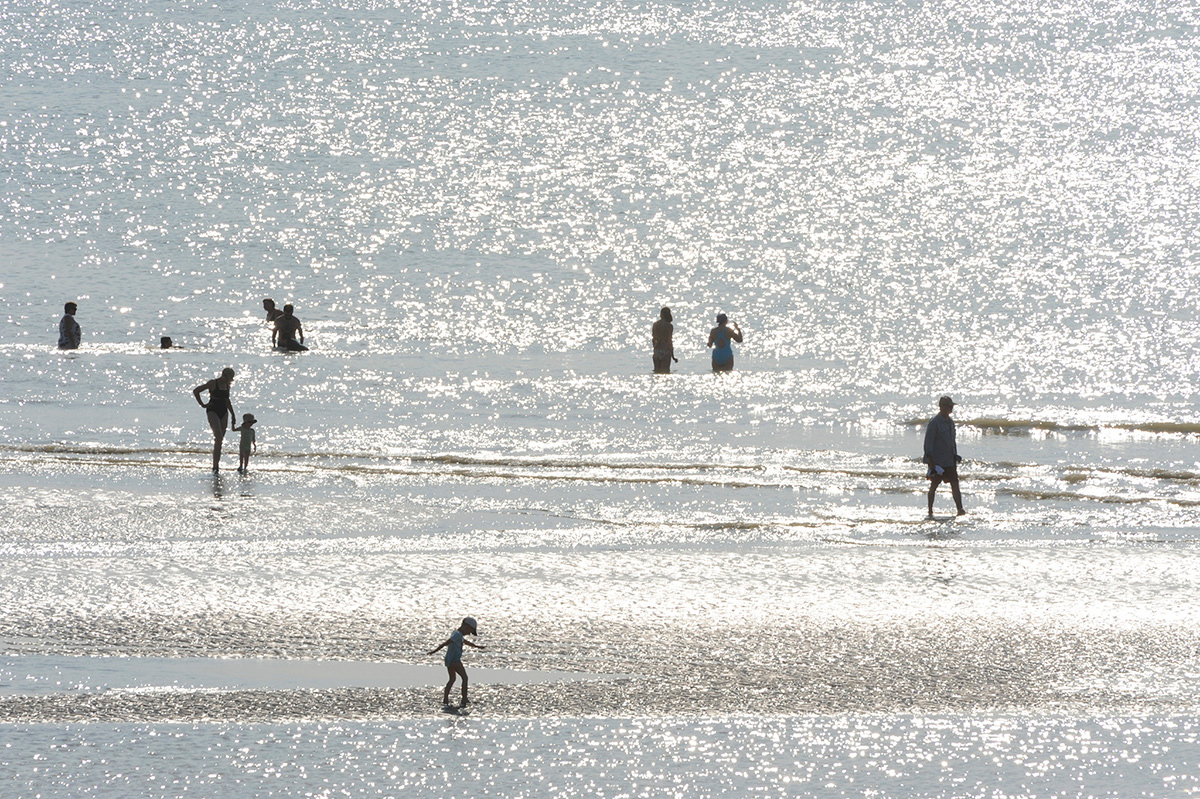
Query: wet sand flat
{"points": [[841, 669]]}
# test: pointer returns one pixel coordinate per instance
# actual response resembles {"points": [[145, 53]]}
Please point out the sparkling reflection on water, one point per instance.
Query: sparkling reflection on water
{"points": [[868, 188], [884, 756], [478, 208]]}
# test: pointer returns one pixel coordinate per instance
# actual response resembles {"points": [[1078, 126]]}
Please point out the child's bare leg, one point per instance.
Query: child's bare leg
{"points": [[462, 672], [449, 685]]}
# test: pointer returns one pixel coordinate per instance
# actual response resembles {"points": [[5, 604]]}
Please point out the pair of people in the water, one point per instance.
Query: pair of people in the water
{"points": [[720, 338], [287, 334]]}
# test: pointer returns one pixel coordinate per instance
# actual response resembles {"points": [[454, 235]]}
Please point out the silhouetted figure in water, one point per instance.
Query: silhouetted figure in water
{"points": [[219, 410], [273, 313], [719, 339], [166, 344], [453, 660], [288, 334], [662, 334], [941, 453], [69, 334]]}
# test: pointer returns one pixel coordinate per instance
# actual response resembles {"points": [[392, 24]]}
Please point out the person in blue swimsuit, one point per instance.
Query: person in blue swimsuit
{"points": [[219, 410], [453, 660], [720, 340]]}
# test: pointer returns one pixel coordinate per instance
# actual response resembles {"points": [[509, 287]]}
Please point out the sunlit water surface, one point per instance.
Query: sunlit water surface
{"points": [[884, 756], [477, 210]]}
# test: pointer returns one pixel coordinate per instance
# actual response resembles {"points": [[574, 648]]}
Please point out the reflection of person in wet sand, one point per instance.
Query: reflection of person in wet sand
{"points": [[288, 334], [662, 334], [719, 339], [220, 410], [453, 660], [941, 453]]}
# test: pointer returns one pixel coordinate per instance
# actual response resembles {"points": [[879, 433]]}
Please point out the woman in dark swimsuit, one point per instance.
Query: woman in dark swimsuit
{"points": [[220, 410], [662, 336]]}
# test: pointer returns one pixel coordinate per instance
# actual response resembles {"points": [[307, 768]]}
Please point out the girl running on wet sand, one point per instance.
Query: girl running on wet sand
{"points": [[454, 649]]}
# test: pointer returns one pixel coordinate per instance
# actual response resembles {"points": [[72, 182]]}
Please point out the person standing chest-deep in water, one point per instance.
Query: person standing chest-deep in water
{"points": [[288, 333], [69, 334], [662, 334], [219, 410], [941, 453], [720, 339], [273, 313]]}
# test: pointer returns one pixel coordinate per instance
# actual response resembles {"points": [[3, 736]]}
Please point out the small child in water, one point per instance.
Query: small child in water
{"points": [[454, 665], [248, 442]]}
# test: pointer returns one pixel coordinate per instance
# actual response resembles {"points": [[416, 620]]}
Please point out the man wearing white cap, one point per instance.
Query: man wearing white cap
{"points": [[941, 453]]}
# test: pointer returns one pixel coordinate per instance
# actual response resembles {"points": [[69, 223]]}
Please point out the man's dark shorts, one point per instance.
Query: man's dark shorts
{"points": [[949, 476]]}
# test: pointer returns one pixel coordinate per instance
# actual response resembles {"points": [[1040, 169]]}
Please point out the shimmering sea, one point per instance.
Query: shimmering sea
{"points": [[692, 584]]}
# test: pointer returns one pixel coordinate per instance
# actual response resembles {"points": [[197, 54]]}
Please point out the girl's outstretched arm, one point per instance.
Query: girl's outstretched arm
{"points": [[468, 643], [444, 644]]}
